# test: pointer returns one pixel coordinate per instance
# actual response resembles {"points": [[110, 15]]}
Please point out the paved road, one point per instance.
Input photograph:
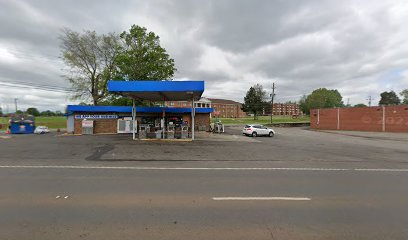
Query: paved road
{"points": [[178, 204], [329, 186]]}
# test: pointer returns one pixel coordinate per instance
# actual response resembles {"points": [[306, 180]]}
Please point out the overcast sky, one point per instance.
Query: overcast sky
{"points": [[357, 47]]}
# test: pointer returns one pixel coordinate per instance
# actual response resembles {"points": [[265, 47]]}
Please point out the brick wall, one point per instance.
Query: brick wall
{"points": [[201, 119], [375, 119], [100, 126]]}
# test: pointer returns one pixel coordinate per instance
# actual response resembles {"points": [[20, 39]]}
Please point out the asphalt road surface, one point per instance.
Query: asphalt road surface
{"points": [[297, 185]]}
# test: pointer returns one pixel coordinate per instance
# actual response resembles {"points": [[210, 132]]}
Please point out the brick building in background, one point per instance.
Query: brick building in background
{"points": [[222, 107], [227, 108], [284, 109]]}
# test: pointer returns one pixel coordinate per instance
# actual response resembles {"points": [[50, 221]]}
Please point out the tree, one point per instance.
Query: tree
{"points": [[389, 98], [321, 98], [91, 61], [142, 57], [1, 112], [94, 59], [255, 100], [47, 113], [33, 111], [360, 105], [404, 94], [302, 104]]}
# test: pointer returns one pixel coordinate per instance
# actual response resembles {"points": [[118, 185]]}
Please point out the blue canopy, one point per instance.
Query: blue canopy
{"points": [[124, 109], [158, 90]]}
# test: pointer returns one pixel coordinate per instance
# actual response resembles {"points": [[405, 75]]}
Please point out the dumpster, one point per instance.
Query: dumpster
{"points": [[21, 124]]}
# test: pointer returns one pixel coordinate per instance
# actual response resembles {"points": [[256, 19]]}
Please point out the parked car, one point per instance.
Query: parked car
{"points": [[41, 130], [255, 130]]}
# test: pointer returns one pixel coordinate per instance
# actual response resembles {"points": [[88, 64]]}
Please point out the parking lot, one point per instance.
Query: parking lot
{"points": [[300, 184], [291, 147]]}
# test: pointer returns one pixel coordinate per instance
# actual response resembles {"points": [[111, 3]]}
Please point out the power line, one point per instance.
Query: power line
{"points": [[31, 84], [32, 55], [44, 88]]}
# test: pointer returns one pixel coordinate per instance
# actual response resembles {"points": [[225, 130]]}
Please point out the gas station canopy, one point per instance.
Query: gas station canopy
{"points": [[158, 90]]}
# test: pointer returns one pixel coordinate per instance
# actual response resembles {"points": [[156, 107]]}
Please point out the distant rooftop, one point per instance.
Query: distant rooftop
{"points": [[223, 101]]}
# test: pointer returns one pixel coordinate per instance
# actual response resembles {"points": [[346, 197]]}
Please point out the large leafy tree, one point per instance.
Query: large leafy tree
{"points": [[255, 100], [321, 98], [142, 57], [90, 58], [404, 95], [389, 98], [94, 59], [33, 111]]}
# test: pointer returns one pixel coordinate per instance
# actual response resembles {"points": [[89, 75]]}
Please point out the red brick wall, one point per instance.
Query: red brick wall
{"points": [[361, 119], [100, 126], [201, 119]]}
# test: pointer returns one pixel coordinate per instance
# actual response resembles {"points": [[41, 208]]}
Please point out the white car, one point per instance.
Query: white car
{"points": [[41, 130], [255, 130]]}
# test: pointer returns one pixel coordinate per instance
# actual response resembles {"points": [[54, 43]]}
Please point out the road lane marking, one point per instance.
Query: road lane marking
{"points": [[207, 168], [261, 198]]}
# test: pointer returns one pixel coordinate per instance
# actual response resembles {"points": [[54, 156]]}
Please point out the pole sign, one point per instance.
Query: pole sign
{"points": [[93, 116]]}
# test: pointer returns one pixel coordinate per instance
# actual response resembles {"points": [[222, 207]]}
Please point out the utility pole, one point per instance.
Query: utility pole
{"points": [[272, 96], [369, 101], [15, 103], [348, 102]]}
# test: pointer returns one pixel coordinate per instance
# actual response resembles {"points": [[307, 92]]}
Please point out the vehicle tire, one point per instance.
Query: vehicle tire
{"points": [[254, 134], [271, 134]]}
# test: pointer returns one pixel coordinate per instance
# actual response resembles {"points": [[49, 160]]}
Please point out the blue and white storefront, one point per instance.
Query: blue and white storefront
{"points": [[141, 121]]}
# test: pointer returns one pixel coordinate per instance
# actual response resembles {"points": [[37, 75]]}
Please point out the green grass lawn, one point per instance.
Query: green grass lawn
{"points": [[50, 122], [263, 120]]}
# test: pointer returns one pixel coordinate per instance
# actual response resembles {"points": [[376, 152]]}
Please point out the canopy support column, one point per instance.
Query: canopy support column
{"points": [[193, 119], [133, 118]]}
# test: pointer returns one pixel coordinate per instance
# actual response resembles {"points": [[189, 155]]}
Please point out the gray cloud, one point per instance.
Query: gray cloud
{"points": [[358, 47]]}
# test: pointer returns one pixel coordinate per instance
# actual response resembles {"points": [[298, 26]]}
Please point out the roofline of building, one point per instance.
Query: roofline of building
{"points": [[71, 109]]}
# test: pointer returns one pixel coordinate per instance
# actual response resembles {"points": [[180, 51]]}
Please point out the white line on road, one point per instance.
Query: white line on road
{"points": [[206, 168], [261, 198]]}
